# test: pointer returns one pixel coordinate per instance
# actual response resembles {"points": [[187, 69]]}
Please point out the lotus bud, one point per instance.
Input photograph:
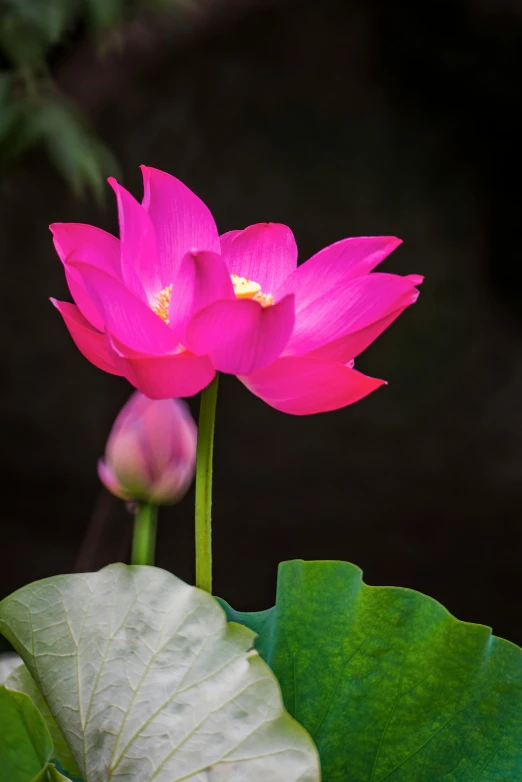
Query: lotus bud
{"points": [[151, 451]]}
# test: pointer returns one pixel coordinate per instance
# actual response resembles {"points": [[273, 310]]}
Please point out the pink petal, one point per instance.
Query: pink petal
{"points": [[90, 244], [110, 481], [202, 279], [93, 246], [181, 220], [226, 237], [129, 460], [265, 253], [240, 336], [82, 298], [171, 487], [343, 260], [90, 343], [351, 308], [304, 385], [415, 279], [169, 426], [139, 254], [353, 344], [163, 377], [128, 318]]}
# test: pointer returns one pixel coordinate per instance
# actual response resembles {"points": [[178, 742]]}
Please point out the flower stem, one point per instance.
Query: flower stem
{"points": [[144, 537], [207, 418]]}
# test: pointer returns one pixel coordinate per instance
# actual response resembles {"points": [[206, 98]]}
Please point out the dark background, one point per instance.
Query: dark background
{"points": [[337, 118]]}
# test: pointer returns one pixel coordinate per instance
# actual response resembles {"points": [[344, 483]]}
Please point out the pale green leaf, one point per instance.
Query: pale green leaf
{"points": [[148, 682], [53, 775]]}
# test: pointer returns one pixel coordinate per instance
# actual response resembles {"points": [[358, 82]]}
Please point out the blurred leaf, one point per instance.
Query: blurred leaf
{"points": [[17, 131], [47, 18], [21, 42], [6, 86], [9, 109], [31, 112], [106, 13], [81, 158], [388, 683]]}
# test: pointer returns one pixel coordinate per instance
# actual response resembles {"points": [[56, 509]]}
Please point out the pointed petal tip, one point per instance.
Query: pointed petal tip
{"points": [[146, 172], [306, 386], [145, 175], [60, 305], [384, 239], [391, 241], [113, 183], [148, 169], [180, 218], [341, 323]]}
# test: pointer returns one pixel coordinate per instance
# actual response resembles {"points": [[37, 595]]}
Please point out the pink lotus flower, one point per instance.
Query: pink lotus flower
{"points": [[151, 451], [171, 302]]}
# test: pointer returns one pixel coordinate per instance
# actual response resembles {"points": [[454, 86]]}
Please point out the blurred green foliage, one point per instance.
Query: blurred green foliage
{"points": [[33, 113]]}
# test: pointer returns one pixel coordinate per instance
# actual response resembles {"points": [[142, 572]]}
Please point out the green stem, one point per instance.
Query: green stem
{"points": [[144, 538], [207, 418]]}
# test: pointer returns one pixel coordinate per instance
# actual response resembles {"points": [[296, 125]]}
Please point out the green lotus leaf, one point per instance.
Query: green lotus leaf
{"points": [[25, 744], [390, 686], [20, 680]]}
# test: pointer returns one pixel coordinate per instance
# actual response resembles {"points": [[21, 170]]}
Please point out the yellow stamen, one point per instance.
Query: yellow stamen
{"points": [[265, 299], [247, 289], [161, 307], [243, 288]]}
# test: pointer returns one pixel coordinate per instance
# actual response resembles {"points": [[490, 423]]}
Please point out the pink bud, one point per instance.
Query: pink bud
{"points": [[151, 451]]}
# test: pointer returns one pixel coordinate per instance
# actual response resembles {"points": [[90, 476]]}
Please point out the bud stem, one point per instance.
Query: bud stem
{"points": [[207, 418], [144, 537]]}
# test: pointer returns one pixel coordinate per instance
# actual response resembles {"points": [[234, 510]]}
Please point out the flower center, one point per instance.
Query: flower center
{"points": [[161, 305], [243, 288], [246, 289]]}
